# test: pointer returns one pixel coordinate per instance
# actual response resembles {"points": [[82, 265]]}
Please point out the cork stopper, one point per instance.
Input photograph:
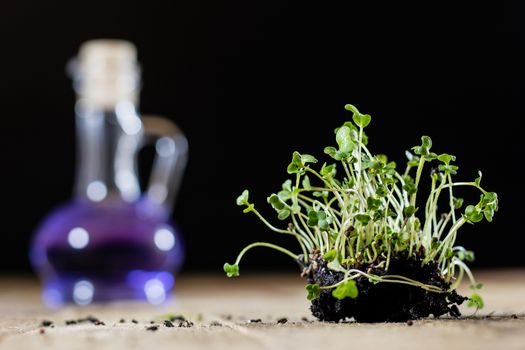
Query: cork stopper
{"points": [[106, 72]]}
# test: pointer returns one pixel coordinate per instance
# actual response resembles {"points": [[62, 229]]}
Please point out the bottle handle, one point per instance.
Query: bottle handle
{"points": [[171, 153]]}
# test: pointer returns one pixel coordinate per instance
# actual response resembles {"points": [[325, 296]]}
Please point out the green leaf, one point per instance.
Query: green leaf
{"points": [[446, 158], [473, 214], [426, 141], [323, 224], [306, 158], [490, 200], [346, 289], [231, 270], [451, 169], [352, 108], [312, 218], [334, 265], [276, 202], [293, 169], [354, 131], [382, 158], [306, 183], [243, 198], [331, 151], [476, 301], [372, 203], [322, 194], [465, 255], [296, 165], [364, 139], [363, 218], [413, 160], [313, 290], [476, 286], [287, 185], [299, 162], [372, 164], [469, 256], [362, 120], [409, 211], [283, 214], [410, 185], [478, 179], [319, 219], [489, 214], [284, 195], [430, 156], [424, 149], [328, 171], [458, 202], [381, 191], [330, 255], [344, 139], [296, 158]]}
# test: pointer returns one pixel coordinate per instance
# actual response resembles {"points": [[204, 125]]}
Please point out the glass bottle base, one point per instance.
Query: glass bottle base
{"points": [[153, 287]]}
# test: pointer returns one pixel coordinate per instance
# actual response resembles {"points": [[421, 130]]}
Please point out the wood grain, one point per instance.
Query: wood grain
{"points": [[208, 300]]}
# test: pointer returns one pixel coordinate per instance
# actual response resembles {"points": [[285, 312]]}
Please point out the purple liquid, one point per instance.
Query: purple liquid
{"points": [[86, 252]]}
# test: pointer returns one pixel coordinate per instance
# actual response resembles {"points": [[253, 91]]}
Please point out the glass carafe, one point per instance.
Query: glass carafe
{"points": [[112, 241]]}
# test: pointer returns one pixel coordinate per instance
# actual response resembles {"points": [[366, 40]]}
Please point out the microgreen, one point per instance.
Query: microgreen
{"points": [[313, 291], [346, 289], [358, 209], [476, 301], [231, 270]]}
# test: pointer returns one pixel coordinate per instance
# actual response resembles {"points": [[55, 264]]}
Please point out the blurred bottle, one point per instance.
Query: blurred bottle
{"points": [[111, 241]]}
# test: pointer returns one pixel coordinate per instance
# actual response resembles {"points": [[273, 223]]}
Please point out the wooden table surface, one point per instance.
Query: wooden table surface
{"points": [[210, 300]]}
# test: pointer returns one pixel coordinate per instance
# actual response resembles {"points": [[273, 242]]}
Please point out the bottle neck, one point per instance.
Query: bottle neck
{"points": [[108, 138], [106, 77]]}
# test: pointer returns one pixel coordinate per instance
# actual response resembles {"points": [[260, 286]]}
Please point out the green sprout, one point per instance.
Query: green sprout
{"points": [[359, 210]]}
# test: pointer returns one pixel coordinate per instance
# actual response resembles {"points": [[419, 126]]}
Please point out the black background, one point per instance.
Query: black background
{"points": [[250, 82]]}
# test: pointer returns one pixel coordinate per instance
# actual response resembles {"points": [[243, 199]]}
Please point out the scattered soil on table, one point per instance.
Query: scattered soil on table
{"points": [[282, 320], [385, 302], [186, 324], [169, 324], [255, 320], [90, 319], [152, 328], [179, 318], [46, 323]]}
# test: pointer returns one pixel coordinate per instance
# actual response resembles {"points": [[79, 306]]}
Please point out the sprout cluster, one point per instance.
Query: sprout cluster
{"points": [[359, 211]]}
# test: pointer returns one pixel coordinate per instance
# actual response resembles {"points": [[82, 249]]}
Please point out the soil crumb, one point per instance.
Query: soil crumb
{"points": [[46, 323], [282, 320]]}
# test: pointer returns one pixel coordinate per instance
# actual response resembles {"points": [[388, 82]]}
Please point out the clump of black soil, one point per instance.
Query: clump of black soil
{"points": [[385, 302]]}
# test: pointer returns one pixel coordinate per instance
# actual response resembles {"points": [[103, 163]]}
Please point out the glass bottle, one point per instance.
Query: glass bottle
{"points": [[111, 241]]}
